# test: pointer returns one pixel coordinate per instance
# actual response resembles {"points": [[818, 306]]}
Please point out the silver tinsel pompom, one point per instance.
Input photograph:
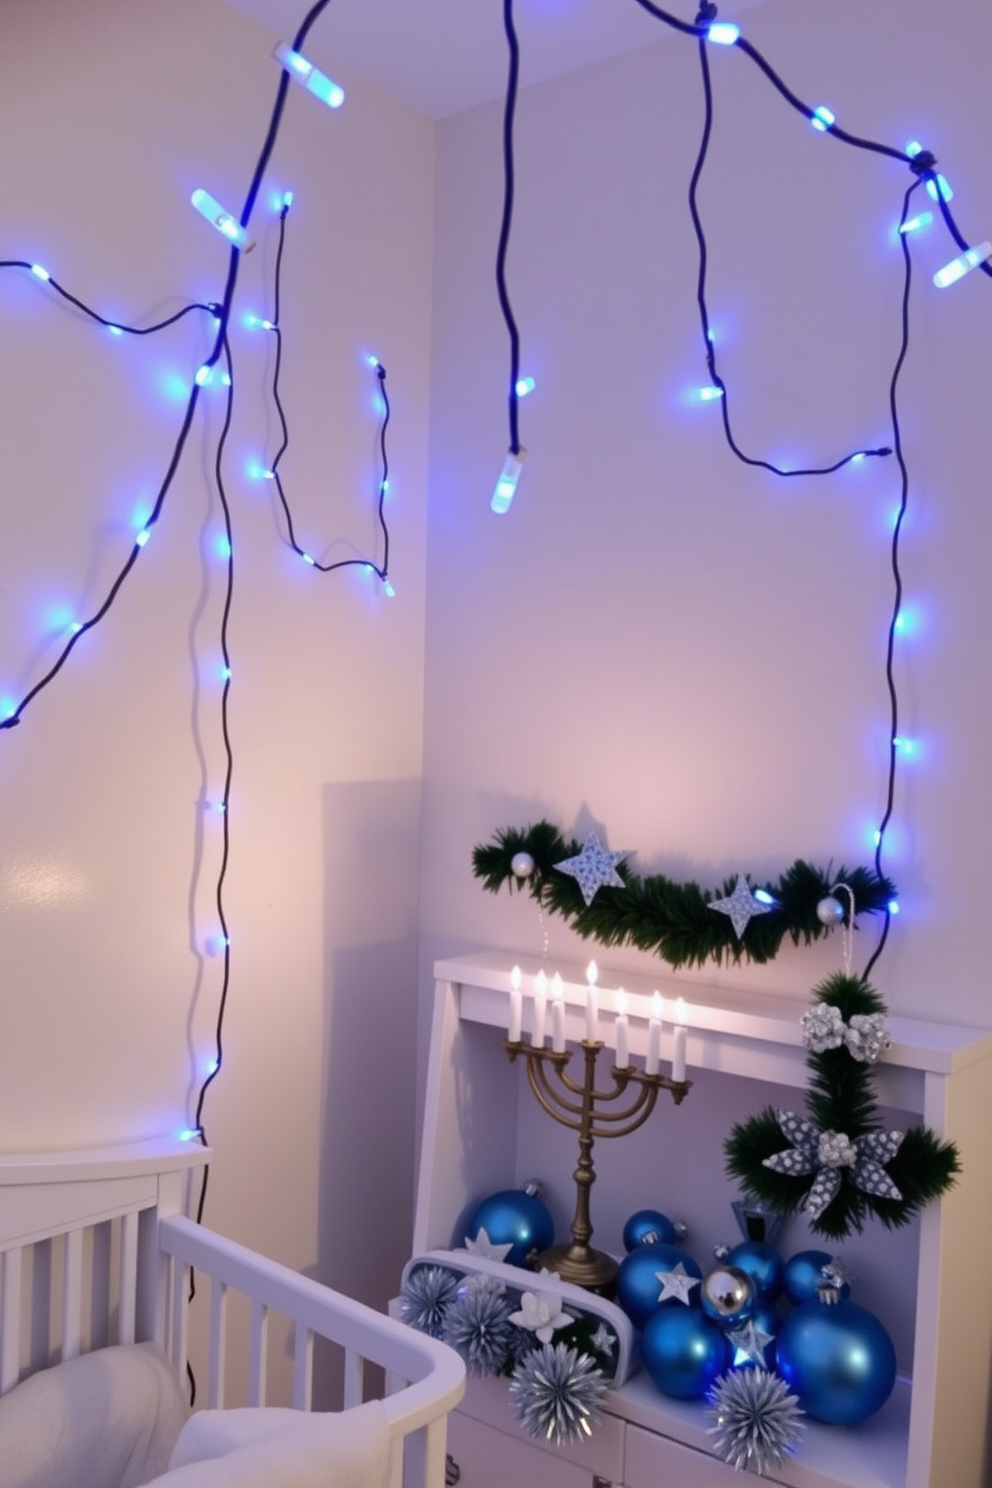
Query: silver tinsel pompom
{"points": [[757, 1420], [425, 1298], [557, 1393], [522, 865], [477, 1324]]}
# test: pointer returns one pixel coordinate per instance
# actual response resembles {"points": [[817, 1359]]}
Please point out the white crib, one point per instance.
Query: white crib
{"points": [[96, 1251]]}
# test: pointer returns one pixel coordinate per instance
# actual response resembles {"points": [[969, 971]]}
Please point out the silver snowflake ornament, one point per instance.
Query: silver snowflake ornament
{"points": [[594, 868], [741, 906]]}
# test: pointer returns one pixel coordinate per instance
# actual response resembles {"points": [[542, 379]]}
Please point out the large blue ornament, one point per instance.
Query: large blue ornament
{"points": [[803, 1274], [517, 1218], [639, 1290], [684, 1351], [839, 1360], [762, 1263], [646, 1223]]}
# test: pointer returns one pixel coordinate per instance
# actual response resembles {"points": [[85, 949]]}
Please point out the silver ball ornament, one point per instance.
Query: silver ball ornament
{"points": [[522, 864], [727, 1294], [830, 911]]}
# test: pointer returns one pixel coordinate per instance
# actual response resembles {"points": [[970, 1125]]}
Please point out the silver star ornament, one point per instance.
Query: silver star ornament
{"points": [[485, 1248], [676, 1283], [594, 868], [741, 906]]}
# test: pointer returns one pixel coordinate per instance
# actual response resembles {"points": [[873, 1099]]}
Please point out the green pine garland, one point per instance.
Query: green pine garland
{"points": [[841, 1098], [671, 920]]}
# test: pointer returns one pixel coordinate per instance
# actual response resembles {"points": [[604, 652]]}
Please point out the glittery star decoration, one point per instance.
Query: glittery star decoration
{"points": [[676, 1283], [483, 1247], [603, 1340], [594, 868], [741, 906], [749, 1344]]}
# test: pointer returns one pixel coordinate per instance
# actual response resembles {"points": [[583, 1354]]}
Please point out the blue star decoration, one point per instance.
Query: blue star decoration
{"points": [[741, 906], [594, 868]]}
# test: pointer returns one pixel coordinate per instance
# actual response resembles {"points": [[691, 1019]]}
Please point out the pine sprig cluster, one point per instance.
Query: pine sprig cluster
{"points": [[669, 919], [841, 1098]]}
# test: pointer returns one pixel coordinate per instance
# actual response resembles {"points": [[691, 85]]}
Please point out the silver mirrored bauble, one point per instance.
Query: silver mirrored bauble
{"points": [[522, 864], [727, 1294], [830, 911]]}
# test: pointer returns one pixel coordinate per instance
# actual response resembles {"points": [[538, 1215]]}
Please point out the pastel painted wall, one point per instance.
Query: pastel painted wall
{"points": [[658, 642], [112, 112]]}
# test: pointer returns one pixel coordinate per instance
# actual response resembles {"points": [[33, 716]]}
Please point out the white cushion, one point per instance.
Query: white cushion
{"points": [[107, 1420]]}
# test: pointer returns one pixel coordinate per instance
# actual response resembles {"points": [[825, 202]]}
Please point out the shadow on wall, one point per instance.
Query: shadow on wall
{"points": [[365, 1213]]}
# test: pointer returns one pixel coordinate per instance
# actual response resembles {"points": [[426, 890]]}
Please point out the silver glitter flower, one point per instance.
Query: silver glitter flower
{"points": [[867, 1037], [425, 1297], [557, 1393], [757, 1420], [477, 1325], [823, 1028], [826, 1153]]}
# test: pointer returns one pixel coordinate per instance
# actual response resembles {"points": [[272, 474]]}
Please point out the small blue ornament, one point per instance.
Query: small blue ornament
{"points": [[684, 1351], [839, 1360], [514, 1218], [645, 1223], [762, 1263], [656, 1275], [803, 1274]]}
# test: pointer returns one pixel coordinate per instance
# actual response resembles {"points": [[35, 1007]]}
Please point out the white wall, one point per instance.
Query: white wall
{"points": [[657, 642], [112, 112]]}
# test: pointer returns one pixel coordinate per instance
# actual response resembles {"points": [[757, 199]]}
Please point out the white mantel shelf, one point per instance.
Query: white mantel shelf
{"points": [[932, 1434]]}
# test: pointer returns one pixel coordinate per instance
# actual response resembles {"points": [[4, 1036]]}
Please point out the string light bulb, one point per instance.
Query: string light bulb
{"points": [[917, 223], [40, 273], [963, 264], [229, 227], [309, 76], [524, 386], [506, 487], [723, 33], [823, 118]]}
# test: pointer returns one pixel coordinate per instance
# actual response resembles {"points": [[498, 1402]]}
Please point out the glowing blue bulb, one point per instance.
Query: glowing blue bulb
{"points": [[388, 589], [188, 1135], [40, 273], [822, 118], [877, 839], [307, 559], [938, 189], [506, 486], [524, 386], [228, 226], [913, 148], [203, 375], [723, 33], [763, 896], [142, 537], [917, 223], [223, 546], [8, 707], [905, 746], [225, 379], [856, 459], [287, 199], [374, 361], [225, 674], [115, 330], [257, 321], [963, 264], [75, 627], [893, 906], [709, 394], [900, 623], [312, 79], [212, 1066], [221, 807]]}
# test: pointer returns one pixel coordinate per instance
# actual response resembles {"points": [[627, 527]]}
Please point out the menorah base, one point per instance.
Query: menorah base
{"points": [[582, 1266]]}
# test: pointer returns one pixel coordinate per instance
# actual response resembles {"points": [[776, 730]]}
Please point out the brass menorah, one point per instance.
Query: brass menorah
{"points": [[582, 1108]]}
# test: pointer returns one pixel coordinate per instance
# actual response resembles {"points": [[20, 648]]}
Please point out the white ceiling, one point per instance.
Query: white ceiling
{"points": [[442, 56]]}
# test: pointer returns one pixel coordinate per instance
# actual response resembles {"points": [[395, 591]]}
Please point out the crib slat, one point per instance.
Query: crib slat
{"points": [[354, 1378], [179, 1286], [303, 1367], [259, 1353], [10, 1322], [128, 1279], [72, 1295], [218, 1344]]}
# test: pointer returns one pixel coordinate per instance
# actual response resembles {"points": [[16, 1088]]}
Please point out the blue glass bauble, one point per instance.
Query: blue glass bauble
{"points": [[766, 1320], [803, 1273], [684, 1351], [648, 1222], [762, 1263], [727, 1295], [515, 1218], [639, 1291], [839, 1360]]}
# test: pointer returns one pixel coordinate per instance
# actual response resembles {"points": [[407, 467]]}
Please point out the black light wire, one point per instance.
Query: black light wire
{"points": [[707, 13], [381, 569], [506, 223]]}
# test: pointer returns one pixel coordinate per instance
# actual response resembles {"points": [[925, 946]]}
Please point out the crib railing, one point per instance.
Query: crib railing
{"points": [[425, 1378]]}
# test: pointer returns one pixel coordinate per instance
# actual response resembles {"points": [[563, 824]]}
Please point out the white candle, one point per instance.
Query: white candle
{"points": [[678, 1048], [592, 1003], [516, 1007], [557, 1015], [623, 1048], [540, 1009], [654, 1036]]}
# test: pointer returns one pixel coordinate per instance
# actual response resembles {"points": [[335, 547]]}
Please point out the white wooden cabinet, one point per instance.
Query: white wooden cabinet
{"points": [[931, 1284]]}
